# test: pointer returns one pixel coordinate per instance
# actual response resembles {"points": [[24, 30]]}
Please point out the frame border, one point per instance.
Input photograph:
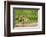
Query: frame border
{"points": [[7, 18]]}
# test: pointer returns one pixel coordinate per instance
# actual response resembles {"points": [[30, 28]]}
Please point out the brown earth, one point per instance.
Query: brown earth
{"points": [[26, 25]]}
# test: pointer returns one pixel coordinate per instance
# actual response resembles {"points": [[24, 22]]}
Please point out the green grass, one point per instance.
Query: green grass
{"points": [[31, 14]]}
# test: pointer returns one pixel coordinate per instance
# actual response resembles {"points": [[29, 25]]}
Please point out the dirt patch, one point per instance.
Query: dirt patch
{"points": [[27, 25]]}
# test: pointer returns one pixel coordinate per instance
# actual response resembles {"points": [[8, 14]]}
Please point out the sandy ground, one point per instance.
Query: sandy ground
{"points": [[27, 25]]}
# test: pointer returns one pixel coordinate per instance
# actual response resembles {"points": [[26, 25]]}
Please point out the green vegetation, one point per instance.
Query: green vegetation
{"points": [[26, 15]]}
